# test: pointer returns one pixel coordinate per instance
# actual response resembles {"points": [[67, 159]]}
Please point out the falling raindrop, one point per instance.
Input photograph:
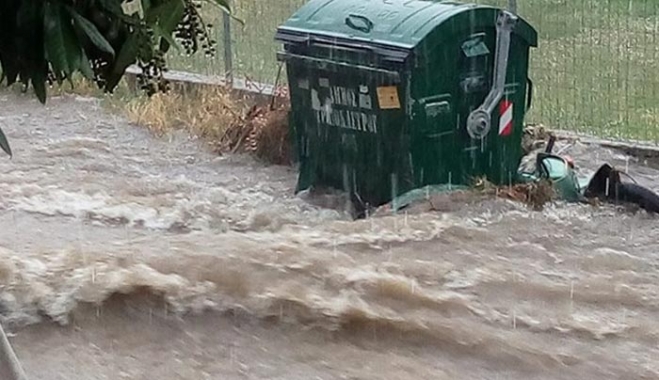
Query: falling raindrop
{"points": [[346, 185], [514, 320], [571, 295], [394, 192]]}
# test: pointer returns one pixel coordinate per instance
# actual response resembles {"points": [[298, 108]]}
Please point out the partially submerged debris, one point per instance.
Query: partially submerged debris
{"points": [[535, 194], [263, 131], [534, 137], [538, 193]]}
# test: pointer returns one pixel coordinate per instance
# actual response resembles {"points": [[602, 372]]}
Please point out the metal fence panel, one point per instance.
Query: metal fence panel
{"points": [[596, 70]]}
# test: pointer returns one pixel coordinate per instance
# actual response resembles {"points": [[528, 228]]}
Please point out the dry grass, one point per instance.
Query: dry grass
{"points": [[79, 86], [206, 113], [229, 124]]}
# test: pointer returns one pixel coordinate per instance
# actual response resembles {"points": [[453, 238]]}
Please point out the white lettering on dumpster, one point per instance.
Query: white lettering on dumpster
{"points": [[348, 97], [358, 121], [349, 119], [343, 96]]}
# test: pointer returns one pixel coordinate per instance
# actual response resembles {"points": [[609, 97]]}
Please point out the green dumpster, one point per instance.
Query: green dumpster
{"points": [[389, 96]]}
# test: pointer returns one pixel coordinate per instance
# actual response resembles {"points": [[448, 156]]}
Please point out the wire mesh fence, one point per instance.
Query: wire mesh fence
{"points": [[596, 70]]}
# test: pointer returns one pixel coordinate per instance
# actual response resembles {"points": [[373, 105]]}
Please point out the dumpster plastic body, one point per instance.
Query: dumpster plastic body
{"points": [[386, 95]]}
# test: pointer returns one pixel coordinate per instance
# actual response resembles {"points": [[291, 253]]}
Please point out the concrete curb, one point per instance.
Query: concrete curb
{"points": [[641, 149], [189, 83]]}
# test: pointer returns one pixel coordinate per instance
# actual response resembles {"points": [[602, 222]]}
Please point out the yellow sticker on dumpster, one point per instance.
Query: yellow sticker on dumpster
{"points": [[388, 97]]}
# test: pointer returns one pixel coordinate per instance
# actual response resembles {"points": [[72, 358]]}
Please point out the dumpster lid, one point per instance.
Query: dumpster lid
{"points": [[396, 23]]}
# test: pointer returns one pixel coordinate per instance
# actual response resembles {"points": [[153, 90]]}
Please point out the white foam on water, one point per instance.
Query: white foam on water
{"points": [[94, 208]]}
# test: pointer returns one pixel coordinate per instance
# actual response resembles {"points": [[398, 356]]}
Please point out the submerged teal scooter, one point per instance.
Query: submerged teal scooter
{"points": [[560, 171], [605, 184]]}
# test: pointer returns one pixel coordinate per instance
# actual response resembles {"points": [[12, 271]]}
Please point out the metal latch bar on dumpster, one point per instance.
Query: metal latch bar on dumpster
{"points": [[325, 63], [479, 121]]}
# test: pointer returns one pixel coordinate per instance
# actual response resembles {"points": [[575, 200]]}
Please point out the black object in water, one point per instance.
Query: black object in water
{"points": [[606, 184]]}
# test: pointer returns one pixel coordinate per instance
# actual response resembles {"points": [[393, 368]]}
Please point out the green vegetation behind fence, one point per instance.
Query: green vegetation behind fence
{"points": [[596, 70]]}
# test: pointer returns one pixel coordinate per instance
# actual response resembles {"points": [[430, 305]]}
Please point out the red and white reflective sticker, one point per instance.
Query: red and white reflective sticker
{"points": [[506, 120]]}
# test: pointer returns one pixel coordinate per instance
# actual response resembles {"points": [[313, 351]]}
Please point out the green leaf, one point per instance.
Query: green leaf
{"points": [[62, 47], [112, 6], [4, 143], [170, 20], [127, 56], [146, 5], [168, 13], [10, 70], [54, 38], [167, 37], [39, 83], [224, 4], [85, 67], [29, 43], [90, 30], [164, 18]]}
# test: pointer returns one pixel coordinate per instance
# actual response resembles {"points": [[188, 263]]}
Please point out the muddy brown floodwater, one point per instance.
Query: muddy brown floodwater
{"points": [[127, 256]]}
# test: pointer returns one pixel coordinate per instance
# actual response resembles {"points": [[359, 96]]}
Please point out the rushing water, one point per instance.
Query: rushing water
{"points": [[127, 256]]}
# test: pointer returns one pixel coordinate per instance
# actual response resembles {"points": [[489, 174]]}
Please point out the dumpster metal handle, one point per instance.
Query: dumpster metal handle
{"points": [[326, 64], [480, 120], [367, 23], [529, 96]]}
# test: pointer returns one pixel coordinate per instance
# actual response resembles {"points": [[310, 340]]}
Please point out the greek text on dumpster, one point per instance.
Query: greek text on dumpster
{"points": [[345, 118]]}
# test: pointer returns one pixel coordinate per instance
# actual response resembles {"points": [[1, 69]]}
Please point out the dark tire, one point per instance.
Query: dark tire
{"points": [[645, 198]]}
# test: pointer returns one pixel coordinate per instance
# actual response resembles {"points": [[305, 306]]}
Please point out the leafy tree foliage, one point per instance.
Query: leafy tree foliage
{"points": [[48, 41]]}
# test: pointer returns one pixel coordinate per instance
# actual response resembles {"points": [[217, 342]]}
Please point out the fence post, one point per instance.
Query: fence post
{"points": [[512, 6], [228, 55]]}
